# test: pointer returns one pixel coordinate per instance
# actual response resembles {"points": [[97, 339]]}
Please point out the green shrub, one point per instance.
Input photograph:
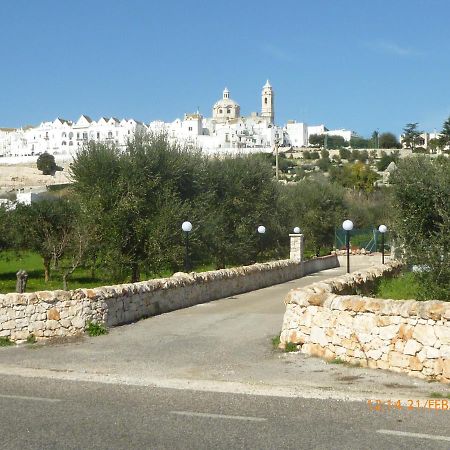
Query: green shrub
{"points": [[404, 287], [276, 341], [96, 329], [5, 341], [31, 339], [290, 347]]}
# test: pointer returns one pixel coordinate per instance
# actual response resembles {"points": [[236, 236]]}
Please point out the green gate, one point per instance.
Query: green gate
{"points": [[367, 238]]}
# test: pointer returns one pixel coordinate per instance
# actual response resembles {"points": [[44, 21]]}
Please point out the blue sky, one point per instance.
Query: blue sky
{"points": [[361, 65]]}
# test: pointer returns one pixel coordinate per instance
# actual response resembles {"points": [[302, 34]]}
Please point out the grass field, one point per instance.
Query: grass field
{"points": [[404, 287], [11, 262]]}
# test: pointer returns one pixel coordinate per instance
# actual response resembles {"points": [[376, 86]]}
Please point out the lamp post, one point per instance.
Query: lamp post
{"points": [[297, 230], [261, 231], [187, 228], [382, 229], [347, 225]]}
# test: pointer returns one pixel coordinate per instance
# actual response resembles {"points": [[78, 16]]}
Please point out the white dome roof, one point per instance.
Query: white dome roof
{"points": [[225, 103]]}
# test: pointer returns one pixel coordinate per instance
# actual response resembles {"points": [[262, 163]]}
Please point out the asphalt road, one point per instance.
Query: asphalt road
{"points": [[53, 414], [207, 377]]}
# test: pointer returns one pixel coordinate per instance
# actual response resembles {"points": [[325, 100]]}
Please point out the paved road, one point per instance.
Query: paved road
{"points": [[54, 414], [168, 380]]}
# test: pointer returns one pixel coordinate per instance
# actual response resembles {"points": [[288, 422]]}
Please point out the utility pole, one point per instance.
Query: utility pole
{"points": [[276, 160]]}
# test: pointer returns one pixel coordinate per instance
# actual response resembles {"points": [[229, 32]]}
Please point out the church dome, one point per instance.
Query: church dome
{"points": [[226, 108], [225, 103]]}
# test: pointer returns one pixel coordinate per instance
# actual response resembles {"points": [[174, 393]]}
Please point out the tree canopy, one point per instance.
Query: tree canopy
{"points": [[421, 196]]}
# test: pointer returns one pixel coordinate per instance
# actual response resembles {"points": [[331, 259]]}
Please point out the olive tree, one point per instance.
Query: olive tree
{"points": [[421, 202]]}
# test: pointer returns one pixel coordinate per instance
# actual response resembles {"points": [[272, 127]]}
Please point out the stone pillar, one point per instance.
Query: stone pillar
{"points": [[297, 246], [21, 283]]}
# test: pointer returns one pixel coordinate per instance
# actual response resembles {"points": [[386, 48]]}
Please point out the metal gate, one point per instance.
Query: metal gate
{"points": [[367, 238]]}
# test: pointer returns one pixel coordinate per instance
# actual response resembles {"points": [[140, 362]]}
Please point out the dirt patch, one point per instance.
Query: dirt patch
{"points": [[27, 177]]}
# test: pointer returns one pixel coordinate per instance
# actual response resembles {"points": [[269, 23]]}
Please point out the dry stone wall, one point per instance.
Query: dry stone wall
{"points": [[326, 319], [50, 314]]}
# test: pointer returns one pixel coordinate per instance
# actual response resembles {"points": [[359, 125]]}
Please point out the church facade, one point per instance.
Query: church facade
{"points": [[226, 131]]}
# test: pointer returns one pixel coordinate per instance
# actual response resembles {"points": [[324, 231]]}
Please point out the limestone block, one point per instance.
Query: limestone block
{"points": [[19, 335], [51, 324], [399, 346], [424, 334], [297, 337], [322, 317], [422, 355], [387, 333], [438, 366], [412, 347], [78, 322], [432, 353], [30, 309], [65, 323], [375, 343], [405, 332], [343, 332], [364, 338], [329, 354], [371, 364], [339, 351], [397, 359], [445, 351], [9, 325], [374, 354], [364, 323], [443, 334], [384, 365], [446, 368], [428, 371], [345, 319], [5, 333], [53, 314], [318, 336], [415, 364]]}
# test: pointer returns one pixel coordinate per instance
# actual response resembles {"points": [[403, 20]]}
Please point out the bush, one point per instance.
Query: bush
{"points": [[421, 199], [5, 341], [46, 163], [96, 329]]}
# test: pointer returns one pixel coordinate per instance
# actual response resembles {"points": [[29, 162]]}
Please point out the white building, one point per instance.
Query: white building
{"points": [[63, 137], [321, 129], [226, 131], [296, 134]]}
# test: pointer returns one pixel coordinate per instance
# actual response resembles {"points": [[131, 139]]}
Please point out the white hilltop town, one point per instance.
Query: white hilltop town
{"points": [[225, 132]]}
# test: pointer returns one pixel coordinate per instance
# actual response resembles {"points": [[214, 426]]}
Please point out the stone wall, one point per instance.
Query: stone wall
{"points": [[65, 313], [326, 319]]}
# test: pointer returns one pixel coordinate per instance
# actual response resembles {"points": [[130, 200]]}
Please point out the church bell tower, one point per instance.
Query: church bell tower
{"points": [[267, 98]]}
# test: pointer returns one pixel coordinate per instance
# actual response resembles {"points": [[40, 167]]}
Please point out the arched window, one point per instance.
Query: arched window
{"points": [[63, 143], [110, 135], [220, 111], [70, 135], [265, 100], [228, 111], [63, 134], [70, 143]]}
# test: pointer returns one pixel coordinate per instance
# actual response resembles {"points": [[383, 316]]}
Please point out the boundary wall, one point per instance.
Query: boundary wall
{"points": [[48, 314], [328, 320]]}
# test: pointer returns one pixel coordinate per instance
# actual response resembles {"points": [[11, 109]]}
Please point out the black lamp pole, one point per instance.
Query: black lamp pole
{"points": [[382, 229], [186, 256], [186, 227], [347, 244], [347, 225]]}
